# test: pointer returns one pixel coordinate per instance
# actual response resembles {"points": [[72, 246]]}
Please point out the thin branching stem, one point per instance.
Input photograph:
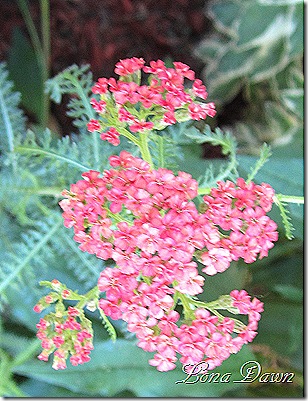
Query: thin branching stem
{"points": [[53, 155]]}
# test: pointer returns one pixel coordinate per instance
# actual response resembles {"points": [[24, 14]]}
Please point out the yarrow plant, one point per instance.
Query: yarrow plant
{"points": [[158, 241], [126, 107]]}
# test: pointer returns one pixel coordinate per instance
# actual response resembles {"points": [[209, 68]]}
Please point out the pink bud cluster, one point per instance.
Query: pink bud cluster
{"points": [[164, 101], [145, 220], [64, 332]]}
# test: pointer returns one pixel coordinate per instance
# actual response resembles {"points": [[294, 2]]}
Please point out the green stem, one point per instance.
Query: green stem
{"points": [[15, 390], [186, 305], [213, 306], [45, 29], [90, 113], [28, 353], [34, 150], [129, 136], [47, 191], [144, 149], [142, 144], [210, 306], [118, 218], [204, 191], [290, 198], [84, 299], [8, 128], [42, 50], [24, 8]]}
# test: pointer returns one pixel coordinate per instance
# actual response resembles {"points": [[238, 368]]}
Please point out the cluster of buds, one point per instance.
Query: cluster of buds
{"points": [[66, 332], [127, 107]]}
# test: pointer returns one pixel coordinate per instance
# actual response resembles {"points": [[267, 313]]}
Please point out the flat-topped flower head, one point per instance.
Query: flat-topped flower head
{"points": [[130, 108]]}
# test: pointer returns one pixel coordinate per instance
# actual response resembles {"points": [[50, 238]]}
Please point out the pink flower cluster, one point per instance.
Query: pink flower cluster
{"points": [[148, 311], [246, 232], [164, 101], [65, 334], [161, 227], [145, 220]]}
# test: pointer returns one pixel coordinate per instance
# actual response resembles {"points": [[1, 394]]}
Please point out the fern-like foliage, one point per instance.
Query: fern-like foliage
{"points": [[12, 119], [18, 194], [265, 154], [32, 250], [76, 81], [55, 154], [37, 166], [85, 267], [61, 161], [39, 248], [228, 148], [177, 132], [165, 152], [108, 326], [285, 216]]}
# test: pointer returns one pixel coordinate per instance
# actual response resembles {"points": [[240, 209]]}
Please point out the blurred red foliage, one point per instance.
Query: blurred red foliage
{"points": [[101, 32]]}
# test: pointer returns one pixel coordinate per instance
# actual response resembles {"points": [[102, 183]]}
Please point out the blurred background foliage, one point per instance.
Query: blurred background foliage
{"points": [[250, 55], [254, 70]]}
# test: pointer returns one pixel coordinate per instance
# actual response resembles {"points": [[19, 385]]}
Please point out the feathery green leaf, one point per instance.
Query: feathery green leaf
{"points": [[108, 326], [265, 154], [286, 219], [29, 252]]}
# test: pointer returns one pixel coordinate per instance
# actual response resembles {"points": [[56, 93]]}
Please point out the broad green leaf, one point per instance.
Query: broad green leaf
{"points": [[14, 344], [223, 88], [225, 14], [280, 121], [294, 147], [269, 24], [297, 37], [35, 388], [268, 60], [236, 62], [232, 279], [266, 391], [289, 292], [282, 320], [280, 2], [28, 79], [203, 169], [291, 77], [281, 327], [208, 49], [120, 366], [283, 266], [294, 100]]}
